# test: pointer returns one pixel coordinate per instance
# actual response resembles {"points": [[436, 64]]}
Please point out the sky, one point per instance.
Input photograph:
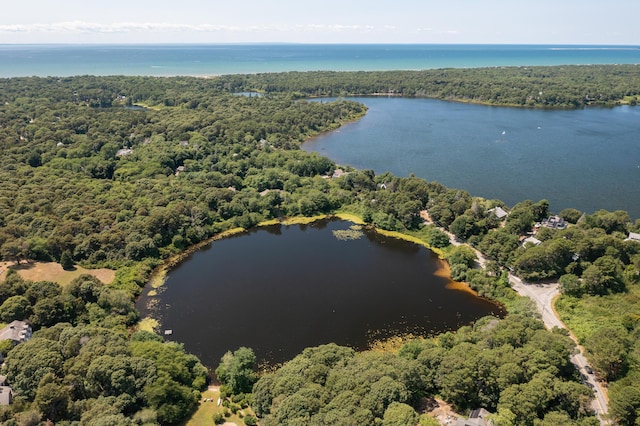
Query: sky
{"points": [[326, 21]]}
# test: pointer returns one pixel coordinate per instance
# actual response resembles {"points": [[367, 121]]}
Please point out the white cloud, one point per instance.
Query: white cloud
{"points": [[156, 27]]}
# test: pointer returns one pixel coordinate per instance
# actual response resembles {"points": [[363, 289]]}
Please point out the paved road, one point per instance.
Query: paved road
{"points": [[543, 295]]}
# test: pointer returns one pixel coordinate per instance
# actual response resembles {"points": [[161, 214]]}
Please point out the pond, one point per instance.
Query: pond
{"points": [[588, 159], [279, 289]]}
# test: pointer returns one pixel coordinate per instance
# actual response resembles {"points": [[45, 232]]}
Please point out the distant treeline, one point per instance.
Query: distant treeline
{"points": [[570, 86]]}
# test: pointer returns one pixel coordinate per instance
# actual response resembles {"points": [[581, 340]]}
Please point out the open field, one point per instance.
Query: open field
{"points": [[209, 406], [51, 271]]}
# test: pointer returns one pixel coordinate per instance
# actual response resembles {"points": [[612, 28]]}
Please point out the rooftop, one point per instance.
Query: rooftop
{"points": [[18, 331]]}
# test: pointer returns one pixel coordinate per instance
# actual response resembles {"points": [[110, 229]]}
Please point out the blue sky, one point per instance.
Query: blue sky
{"points": [[327, 21]]}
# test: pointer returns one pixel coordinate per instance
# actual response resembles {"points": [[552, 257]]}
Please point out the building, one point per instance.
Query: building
{"points": [[633, 237], [554, 222], [532, 240], [16, 331], [499, 212], [6, 395], [477, 417]]}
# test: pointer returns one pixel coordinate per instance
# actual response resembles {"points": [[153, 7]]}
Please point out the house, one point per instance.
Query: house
{"points": [[499, 212], [338, 173], [532, 240], [123, 152], [6, 395], [266, 191], [477, 417], [633, 237], [16, 331], [554, 222]]}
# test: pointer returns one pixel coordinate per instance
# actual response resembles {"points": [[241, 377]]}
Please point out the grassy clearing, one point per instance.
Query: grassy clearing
{"points": [[302, 220], [51, 271], [351, 218], [392, 344], [586, 315], [411, 238], [148, 106], [203, 416], [148, 324]]}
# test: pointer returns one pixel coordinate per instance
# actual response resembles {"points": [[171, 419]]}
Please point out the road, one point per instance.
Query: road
{"points": [[543, 295]]}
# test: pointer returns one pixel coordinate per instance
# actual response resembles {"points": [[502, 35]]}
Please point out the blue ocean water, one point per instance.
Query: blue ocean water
{"points": [[216, 59]]}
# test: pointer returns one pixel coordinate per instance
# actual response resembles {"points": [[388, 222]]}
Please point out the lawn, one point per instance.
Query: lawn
{"points": [[209, 406], [51, 271]]}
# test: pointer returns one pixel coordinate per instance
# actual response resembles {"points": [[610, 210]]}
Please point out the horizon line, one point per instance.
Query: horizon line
{"points": [[226, 43]]}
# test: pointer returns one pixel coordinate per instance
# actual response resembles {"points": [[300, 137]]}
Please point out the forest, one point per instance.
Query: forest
{"points": [[570, 86], [123, 172]]}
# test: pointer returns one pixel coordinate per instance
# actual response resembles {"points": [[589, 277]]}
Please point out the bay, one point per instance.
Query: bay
{"points": [[587, 159], [216, 59]]}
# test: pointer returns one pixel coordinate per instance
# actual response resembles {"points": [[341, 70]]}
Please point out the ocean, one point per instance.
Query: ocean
{"points": [[216, 59]]}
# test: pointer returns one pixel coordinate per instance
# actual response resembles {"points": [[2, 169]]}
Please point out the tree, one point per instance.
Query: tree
{"points": [[570, 215], [35, 160], [118, 375], [250, 420], [382, 393], [29, 362], [399, 414], [437, 238], [608, 348], [15, 308], [540, 210], [236, 370], [52, 398], [464, 226], [530, 400], [462, 255], [570, 285], [624, 404], [67, 261], [603, 276], [48, 312], [171, 400], [14, 250], [41, 290], [457, 376]]}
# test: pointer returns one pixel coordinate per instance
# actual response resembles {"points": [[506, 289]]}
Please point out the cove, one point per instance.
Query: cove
{"points": [[588, 159], [279, 289]]}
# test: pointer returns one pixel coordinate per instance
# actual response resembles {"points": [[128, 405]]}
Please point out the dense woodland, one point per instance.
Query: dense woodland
{"points": [[89, 177], [569, 86]]}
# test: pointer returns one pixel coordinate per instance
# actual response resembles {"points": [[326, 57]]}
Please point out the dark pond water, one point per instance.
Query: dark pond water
{"points": [[279, 289], [587, 159]]}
